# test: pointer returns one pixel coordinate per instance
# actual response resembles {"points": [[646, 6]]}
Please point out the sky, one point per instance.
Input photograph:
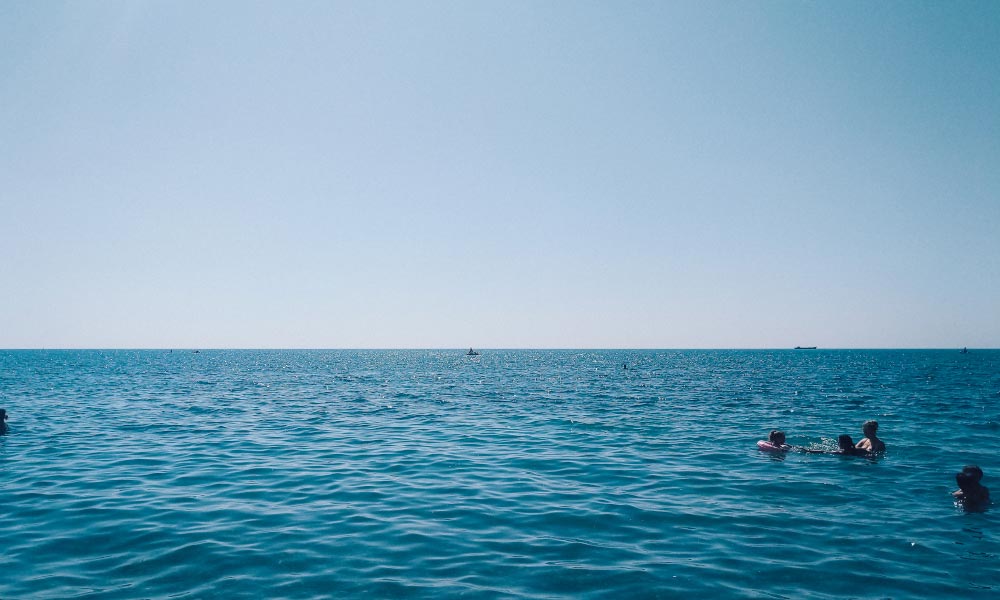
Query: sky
{"points": [[509, 174]]}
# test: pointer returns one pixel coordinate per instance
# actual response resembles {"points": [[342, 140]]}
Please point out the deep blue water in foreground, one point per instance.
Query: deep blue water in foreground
{"points": [[515, 474]]}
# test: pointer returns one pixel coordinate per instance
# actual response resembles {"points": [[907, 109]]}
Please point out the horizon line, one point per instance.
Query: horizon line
{"points": [[480, 348]]}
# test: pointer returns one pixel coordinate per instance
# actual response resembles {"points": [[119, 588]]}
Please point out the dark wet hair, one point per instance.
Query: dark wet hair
{"points": [[3, 415], [774, 435], [973, 472], [845, 442], [873, 424], [968, 478]]}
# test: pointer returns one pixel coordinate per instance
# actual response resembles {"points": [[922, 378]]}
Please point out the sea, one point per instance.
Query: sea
{"points": [[591, 474]]}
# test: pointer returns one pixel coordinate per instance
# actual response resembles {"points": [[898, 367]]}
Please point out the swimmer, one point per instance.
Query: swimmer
{"points": [[3, 418], [847, 447], [870, 443], [776, 437], [970, 493]]}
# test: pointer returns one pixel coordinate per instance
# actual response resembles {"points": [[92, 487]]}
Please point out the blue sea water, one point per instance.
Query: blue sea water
{"points": [[514, 474]]}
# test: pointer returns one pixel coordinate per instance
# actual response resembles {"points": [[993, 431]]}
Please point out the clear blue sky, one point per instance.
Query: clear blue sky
{"points": [[499, 174]]}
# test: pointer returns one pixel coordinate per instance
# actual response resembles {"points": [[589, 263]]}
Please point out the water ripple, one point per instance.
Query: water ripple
{"points": [[518, 474]]}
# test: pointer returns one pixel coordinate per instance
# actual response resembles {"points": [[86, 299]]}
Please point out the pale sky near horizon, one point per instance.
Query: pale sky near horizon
{"points": [[499, 174]]}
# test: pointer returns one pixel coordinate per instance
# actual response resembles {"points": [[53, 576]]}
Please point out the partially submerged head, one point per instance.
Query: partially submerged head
{"points": [[776, 437], [870, 428], [3, 415], [845, 442]]}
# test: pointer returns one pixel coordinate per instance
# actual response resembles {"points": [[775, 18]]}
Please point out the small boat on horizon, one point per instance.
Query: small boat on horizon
{"points": [[471, 352], [964, 350], [805, 347]]}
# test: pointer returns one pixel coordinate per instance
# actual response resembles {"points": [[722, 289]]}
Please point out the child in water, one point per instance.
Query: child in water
{"points": [[970, 492], [775, 441], [847, 447]]}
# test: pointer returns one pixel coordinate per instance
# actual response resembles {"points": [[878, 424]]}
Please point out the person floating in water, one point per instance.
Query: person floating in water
{"points": [[3, 419], [870, 443], [971, 493]]}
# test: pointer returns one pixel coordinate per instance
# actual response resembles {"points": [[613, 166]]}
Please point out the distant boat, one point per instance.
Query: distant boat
{"points": [[805, 347], [471, 352], [965, 350]]}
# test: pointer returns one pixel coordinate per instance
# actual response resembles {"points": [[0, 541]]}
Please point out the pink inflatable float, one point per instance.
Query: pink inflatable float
{"points": [[770, 447]]}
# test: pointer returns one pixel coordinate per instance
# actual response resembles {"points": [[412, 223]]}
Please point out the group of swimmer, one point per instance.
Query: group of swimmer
{"points": [[869, 445], [971, 493]]}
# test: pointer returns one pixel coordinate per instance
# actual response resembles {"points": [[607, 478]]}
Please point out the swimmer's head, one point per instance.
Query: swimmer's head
{"points": [[776, 437], [3, 415], [973, 472], [870, 428], [845, 442]]}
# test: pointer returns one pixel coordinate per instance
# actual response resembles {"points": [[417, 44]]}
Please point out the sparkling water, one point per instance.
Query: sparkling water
{"points": [[513, 474]]}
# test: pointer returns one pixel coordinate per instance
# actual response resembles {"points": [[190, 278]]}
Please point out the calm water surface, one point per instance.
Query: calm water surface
{"points": [[515, 474]]}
